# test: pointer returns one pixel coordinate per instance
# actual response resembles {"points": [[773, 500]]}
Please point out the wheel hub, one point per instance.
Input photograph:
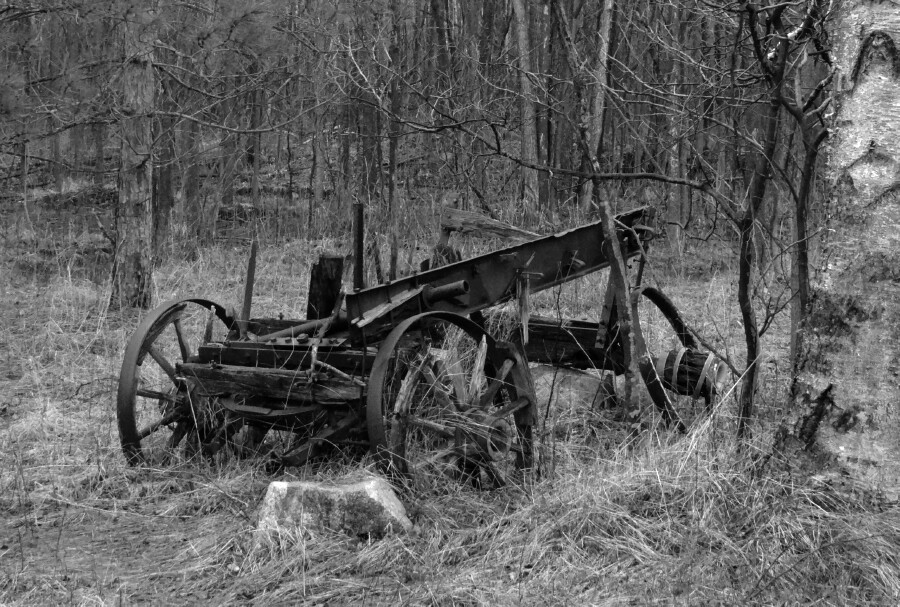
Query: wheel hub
{"points": [[493, 435]]}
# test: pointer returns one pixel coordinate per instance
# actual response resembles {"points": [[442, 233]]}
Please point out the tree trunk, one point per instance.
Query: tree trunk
{"points": [[132, 275], [193, 205], [774, 65], [163, 198], [800, 264], [319, 143], [59, 163], [317, 172], [598, 71], [369, 130], [255, 161], [849, 358], [345, 177], [99, 136], [56, 67], [529, 183], [443, 40], [393, 137], [746, 263], [634, 347], [229, 159], [23, 167]]}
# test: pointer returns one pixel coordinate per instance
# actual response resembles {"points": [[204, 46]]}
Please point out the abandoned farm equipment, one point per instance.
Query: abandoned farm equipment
{"points": [[406, 369]]}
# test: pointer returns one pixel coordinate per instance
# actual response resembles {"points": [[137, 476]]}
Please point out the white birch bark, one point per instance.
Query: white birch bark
{"points": [[848, 388]]}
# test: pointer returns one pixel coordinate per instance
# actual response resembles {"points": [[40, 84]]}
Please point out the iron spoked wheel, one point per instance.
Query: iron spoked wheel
{"points": [[445, 403], [161, 415], [674, 349]]}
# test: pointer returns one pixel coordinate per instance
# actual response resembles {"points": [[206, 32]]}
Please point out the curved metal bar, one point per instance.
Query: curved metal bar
{"points": [[648, 372], [667, 307]]}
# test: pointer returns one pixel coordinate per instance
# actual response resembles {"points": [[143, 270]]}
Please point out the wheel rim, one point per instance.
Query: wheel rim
{"points": [[443, 404], [160, 414]]}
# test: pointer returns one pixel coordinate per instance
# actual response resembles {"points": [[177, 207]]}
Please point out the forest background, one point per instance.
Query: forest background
{"points": [[144, 144]]}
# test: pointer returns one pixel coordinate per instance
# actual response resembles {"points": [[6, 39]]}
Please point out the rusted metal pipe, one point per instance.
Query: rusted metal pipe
{"points": [[307, 327], [433, 295]]}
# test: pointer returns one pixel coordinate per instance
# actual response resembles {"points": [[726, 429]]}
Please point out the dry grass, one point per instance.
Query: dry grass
{"points": [[668, 520], [671, 524]]}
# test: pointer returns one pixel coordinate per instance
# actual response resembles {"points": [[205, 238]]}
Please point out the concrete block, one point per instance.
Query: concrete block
{"points": [[356, 507]]}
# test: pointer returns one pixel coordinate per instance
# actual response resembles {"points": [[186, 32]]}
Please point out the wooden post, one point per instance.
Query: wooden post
{"points": [[324, 286], [248, 289]]}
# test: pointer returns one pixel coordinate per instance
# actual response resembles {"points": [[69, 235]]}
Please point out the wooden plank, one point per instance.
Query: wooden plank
{"points": [[276, 356], [248, 288], [470, 222], [397, 302], [289, 386], [259, 412], [275, 414], [571, 343]]}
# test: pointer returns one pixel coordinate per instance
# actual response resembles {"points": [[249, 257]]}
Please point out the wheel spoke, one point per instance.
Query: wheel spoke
{"points": [[156, 395], [432, 461], [181, 430], [164, 364], [208, 330], [497, 478], [496, 383], [164, 421], [440, 429], [519, 403], [401, 406], [441, 394], [182, 340], [407, 389], [451, 372], [477, 379]]}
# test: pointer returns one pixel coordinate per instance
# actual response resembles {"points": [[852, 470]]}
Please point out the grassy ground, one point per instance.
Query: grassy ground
{"points": [[667, 520]]}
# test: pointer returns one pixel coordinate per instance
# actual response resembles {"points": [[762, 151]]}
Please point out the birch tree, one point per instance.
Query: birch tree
{"points": [[847, 390]]}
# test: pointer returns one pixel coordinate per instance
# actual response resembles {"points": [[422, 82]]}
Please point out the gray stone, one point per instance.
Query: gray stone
{"points": [[565, 389], [356, 507]]}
